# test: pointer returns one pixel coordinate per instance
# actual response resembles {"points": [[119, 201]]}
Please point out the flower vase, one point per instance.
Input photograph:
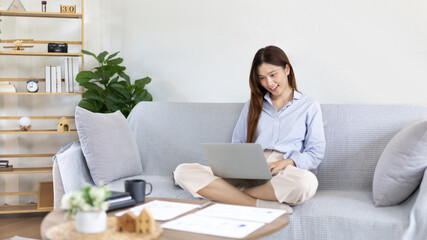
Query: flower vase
{"points": [[94, 221]]}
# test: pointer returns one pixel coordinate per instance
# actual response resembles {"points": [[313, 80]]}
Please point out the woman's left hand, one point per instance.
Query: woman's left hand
{"points": [[279, 165]]}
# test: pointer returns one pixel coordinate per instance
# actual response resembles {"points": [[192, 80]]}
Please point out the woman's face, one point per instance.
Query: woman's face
{"points": [[274, 79]]}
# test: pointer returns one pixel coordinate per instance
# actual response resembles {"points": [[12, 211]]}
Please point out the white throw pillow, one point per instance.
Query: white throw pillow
{"points": [[108, 145], [401, 166]]}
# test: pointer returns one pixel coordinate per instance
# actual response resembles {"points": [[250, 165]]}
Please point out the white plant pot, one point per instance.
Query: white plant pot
{"points": [[91, 221]]}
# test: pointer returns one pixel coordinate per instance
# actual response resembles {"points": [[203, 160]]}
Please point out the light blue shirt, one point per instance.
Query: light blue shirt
{"points": [[296, 130]]}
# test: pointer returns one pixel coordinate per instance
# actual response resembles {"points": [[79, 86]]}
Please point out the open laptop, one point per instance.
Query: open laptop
{"points": [[242, 161]]}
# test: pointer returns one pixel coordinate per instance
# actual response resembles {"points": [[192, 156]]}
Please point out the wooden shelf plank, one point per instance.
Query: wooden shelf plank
{"points": [[24, 208], [6, 13], [22, 79], [37, 93], [42, 54], [29, 170], [17, 193], [45, 131], [32, 155], [35, 117], [30, 41]]}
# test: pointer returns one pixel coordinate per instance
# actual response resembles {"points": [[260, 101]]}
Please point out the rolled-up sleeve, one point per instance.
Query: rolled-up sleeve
{"points": [[314, 144]]}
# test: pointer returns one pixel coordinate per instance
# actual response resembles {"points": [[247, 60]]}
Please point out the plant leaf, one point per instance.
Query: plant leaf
{"points": [[85, 76], [101, 56], [93, 95], [89, 53], [124, 76], [88, 105], [122, 90], [115, 61], [112, 55]]}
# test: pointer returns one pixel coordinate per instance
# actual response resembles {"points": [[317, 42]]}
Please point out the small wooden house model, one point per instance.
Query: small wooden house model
{"points": [[63, 125], [143, 224], [126, 222]]}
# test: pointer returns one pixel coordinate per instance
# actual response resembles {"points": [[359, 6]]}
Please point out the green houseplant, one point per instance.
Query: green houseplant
{"points": [[108, 87]]}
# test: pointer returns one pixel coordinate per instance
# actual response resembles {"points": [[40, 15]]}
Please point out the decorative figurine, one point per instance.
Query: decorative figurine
{"points": [[16, 5], [144, 223], [24, 124], [18, 45], [44, 6], [63, 125]]}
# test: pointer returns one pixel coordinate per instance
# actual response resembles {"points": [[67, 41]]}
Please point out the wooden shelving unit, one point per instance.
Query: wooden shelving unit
{"points": [[37, 93], [44, 131], [29, 170], [42, 54], [40, 14], [43, 192], [23, 208]]}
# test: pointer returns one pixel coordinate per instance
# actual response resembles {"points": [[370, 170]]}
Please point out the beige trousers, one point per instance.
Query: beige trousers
{"points": [[291, 185]]}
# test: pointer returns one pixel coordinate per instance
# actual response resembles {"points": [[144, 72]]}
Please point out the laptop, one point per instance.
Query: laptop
{"points": [[235, 160]]}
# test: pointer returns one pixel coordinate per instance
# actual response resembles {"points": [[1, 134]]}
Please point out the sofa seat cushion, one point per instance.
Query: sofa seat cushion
{"points": [[339, 214], [163, 186]]}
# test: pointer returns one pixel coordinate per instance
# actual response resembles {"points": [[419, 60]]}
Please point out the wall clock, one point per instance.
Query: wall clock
{"points": [[32, 85], [16, 5]]}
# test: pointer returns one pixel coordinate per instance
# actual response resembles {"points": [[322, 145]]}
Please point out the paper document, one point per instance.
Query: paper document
{"points": [[162, 210], [213, 226], [254, 214]]}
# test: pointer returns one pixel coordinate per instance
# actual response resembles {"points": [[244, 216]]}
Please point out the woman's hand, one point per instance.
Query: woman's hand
{"points": [[279, 165]]}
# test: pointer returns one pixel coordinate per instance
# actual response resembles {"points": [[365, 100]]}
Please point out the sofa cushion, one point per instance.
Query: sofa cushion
{"points": [[108, 145], [338, 214], [401, 166], [72, 163]]}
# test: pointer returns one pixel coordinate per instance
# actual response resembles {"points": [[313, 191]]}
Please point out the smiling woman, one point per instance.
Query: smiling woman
{"points": [[286, 123]]}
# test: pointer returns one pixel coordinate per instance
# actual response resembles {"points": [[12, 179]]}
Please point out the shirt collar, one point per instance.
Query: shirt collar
{"points": [[297, 96]]}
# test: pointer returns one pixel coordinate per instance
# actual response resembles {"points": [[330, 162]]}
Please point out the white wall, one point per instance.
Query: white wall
{"points": [[365, 51]]}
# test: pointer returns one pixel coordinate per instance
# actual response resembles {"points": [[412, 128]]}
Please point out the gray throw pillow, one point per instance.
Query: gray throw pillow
{"points": [[401, 166], [108, 145]]}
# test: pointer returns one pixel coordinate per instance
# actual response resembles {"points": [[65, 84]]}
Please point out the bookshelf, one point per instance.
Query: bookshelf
{"points": [[43, 194]]}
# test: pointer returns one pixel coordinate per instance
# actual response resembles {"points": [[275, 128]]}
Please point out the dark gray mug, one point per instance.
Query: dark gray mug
{"points": [[136, 188]]}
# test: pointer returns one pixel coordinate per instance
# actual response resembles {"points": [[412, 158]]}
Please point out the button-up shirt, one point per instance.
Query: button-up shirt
{"points": [[295, 130]]}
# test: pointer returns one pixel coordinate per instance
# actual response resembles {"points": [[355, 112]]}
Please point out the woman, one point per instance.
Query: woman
{"points": [[286, 123]]}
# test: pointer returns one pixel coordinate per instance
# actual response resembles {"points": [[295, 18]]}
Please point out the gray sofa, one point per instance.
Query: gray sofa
{"points": [[169, 134]]}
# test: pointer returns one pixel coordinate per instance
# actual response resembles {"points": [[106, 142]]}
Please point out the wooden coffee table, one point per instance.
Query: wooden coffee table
{"points": [[57, 217]]}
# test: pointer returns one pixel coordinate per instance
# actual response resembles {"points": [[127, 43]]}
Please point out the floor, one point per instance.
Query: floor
{"points": [[24, 225]]}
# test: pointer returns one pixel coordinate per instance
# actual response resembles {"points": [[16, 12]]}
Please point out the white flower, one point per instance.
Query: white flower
{"points": [[90, 198]]}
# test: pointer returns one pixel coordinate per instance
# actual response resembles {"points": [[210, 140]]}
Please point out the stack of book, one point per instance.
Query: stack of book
{"points": [[68, 72], [7, 87], [4, 166], [119, 200]]}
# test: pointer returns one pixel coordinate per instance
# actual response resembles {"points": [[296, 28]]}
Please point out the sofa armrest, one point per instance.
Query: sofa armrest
{"points": [[417, 228], [58, 188], [70, 171]]}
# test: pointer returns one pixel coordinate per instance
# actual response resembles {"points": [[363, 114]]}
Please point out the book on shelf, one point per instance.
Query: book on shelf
{"points": [[53, 79], [47, 78], [66, 81], [4, 83], [6, 169], [58, 79], [70, 75], [7, 88], [75, 72]]}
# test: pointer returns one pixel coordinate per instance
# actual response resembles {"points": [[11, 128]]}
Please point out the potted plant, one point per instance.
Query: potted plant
{"points": [[109, 88], [88, 207]]}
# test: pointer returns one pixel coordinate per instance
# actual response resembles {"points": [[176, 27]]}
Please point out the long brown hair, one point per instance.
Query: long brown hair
{"points": [[271, 55]]}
